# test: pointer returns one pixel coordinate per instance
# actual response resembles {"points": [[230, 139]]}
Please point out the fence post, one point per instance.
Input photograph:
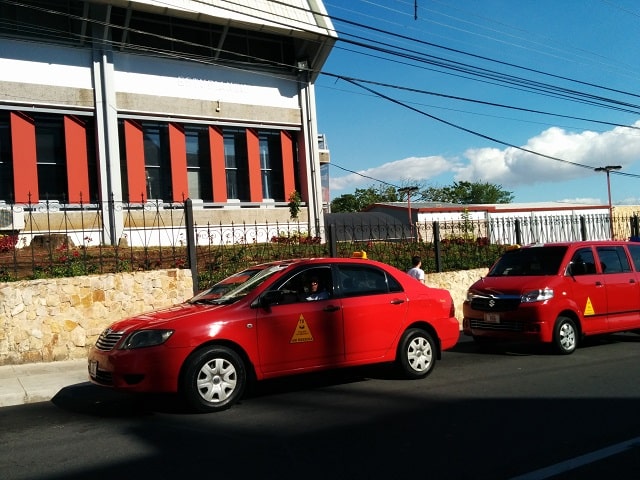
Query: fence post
{"points": [[436, 246], [635, 230], [583, 228], [518, 232], [192, 257], [333, 244]]}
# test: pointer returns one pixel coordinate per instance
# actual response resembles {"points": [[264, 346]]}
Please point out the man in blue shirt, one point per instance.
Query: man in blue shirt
{"points": [[315, 291]]}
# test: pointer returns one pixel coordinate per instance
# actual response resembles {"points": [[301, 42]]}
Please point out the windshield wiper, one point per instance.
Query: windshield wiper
{"points": [[206, 301]]}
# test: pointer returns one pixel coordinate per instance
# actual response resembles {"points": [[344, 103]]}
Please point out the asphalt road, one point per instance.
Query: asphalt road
{"points": [[510, 412]]}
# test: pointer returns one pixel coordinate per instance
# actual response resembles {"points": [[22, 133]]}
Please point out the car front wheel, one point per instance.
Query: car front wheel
{"points": [[214, 379], [416, 353], [565, 336]]}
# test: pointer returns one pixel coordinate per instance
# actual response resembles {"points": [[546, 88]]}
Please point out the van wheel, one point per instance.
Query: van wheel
{"points": [[565, 336], [214, 379], [416, 354]]}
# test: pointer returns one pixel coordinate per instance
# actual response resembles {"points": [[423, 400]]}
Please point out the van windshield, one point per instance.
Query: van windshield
{"points": [[534, 261]]}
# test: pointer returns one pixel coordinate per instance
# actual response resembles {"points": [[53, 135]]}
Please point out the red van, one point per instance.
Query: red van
{"points": [[557, 293]]}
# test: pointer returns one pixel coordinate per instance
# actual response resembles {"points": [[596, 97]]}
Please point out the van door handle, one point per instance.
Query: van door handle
{"points": [[397, 301], [632, 280], [598, 284], [331, 308]]}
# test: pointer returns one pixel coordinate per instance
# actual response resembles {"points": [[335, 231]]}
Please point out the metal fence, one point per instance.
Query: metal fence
{"points": [[53, 240]]}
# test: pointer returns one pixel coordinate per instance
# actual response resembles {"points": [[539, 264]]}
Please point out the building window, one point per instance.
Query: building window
{"points": [[271, 165], [124, 174], [163, 35], [63, 20], [51, 158], [91, 160], [235, 161], [6, 172], [156, 160], [198, 162]]}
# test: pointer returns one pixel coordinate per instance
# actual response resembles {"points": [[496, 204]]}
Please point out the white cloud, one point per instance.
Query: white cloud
{"points": [[511, 167], [582, 200], [628, 201], [396, 172], [514, 169]]}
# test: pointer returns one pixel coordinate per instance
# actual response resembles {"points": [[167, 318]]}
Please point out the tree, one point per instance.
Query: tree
{"points": [[467, 193], [294, 204], [363, 197], [345, 203]]}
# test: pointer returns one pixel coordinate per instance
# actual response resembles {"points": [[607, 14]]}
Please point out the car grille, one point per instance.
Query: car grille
{"points": [[495, 304], [104, 378], [108, 339], [506, 326]]}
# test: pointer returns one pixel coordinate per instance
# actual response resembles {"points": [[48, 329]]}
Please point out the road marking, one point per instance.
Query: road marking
{"points": [[580, 461]]}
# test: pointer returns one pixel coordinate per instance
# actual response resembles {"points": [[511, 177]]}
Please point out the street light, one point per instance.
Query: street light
{"points": [[409, 191], [608, 169]]}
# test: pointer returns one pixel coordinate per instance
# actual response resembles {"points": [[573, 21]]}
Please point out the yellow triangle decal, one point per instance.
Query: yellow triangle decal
{"points": [[588, 308], [302, 333]]}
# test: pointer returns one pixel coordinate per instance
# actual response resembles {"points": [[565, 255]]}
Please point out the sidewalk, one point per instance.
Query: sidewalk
{"points": [[39, 382]]}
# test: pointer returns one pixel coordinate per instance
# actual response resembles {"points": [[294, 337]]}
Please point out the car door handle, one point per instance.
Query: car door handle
{"points": [[397, 301], [331, 308], [631, 280], [598, 284]]}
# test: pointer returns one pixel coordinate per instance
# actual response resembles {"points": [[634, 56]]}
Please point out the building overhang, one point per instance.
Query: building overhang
{"points": [[306, 22]]}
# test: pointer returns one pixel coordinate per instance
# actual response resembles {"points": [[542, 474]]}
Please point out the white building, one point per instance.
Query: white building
{"points": [[498, 223], [107, 104]]}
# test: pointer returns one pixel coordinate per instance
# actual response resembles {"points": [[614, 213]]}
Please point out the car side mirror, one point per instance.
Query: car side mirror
{"points": [[269, 298]]}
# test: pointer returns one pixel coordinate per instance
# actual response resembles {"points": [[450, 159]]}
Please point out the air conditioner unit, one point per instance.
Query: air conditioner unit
{"points": [[11, 219]]}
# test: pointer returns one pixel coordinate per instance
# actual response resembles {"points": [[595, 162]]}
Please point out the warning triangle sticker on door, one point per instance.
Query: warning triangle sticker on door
{"points": [[588, 308], [302, 333]]}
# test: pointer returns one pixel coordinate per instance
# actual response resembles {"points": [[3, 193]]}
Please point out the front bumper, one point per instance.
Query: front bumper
{"points": [[521, 325], [151, 370]]}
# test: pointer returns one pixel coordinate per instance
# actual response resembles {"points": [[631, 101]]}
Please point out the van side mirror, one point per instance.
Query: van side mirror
{"points": [[576, 268]]}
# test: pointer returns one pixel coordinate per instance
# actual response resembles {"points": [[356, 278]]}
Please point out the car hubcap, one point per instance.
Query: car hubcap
{"points": [[567, 337], [419, 354], [217, 380]]}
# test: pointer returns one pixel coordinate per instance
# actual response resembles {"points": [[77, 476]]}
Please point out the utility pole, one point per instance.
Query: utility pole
{"points": [[608, 169], [409, 191]]}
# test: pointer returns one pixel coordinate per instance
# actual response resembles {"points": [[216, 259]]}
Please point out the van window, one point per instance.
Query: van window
{"points": [[613, 260], [531, 261], [634, 250], [582, 262]]}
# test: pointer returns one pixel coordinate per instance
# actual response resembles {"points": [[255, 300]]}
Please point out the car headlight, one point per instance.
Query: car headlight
{"points": [[146, 338], [539, 295]]}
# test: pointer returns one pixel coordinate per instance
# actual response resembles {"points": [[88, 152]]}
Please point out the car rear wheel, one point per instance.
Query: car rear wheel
{"points": [[565, 336], [416, 353], [214, 379]]}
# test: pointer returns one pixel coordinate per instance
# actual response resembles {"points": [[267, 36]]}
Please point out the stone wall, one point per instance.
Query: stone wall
{"points": [[60, 318], [457, 283]]}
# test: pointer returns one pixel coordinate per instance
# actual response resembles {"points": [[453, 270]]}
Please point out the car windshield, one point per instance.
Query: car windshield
{"points": [[532, 261], [237, 285]]}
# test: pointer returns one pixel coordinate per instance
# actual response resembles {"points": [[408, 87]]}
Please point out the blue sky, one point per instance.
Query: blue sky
{"points": [[569, 71]]}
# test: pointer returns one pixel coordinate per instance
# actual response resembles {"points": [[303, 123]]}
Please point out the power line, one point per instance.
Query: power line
{"points": [[408, 54], [476, 133], [476, 101]]}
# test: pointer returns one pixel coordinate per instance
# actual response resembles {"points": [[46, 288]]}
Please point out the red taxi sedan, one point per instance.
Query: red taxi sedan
{"points": [[278, 319]]}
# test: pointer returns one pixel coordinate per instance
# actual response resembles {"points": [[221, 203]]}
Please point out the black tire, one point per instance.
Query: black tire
{"points": [[565, 336], [417, 353], [214, 379]]}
